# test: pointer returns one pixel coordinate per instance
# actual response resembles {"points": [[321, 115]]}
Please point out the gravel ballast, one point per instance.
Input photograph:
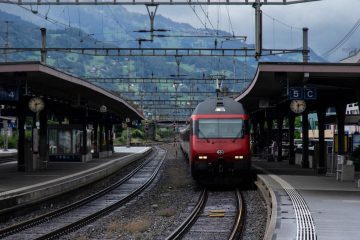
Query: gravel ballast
{"points": [[160, 209]]}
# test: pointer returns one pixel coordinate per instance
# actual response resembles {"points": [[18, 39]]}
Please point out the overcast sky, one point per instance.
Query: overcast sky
{"points": [[328, 22]]}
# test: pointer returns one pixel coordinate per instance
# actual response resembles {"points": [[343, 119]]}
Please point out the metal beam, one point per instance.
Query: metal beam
{"points": [[167, 102], [172, 94], [135, 80], [157, 52], [161, 107], [153, 2]]}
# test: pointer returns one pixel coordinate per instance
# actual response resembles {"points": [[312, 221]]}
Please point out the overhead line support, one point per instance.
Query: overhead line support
{"points": [[142, 2]]}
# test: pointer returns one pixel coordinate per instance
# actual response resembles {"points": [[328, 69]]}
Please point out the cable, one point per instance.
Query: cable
{"points": [[230, 23], [343, 40], [207, 16], [202, 23], [281, 22], [274, 20], [51, 20], [116, 20], [218, 21]]}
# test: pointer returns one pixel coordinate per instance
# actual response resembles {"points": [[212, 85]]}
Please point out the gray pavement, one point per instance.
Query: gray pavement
{"points": [[11, 179], [22, 188], [334, 205]]}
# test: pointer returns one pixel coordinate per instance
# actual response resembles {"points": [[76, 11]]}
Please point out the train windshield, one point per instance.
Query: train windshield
{"points": [[220, 128]]}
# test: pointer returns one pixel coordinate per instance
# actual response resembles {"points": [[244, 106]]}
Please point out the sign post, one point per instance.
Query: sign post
{"points": [[127, 132]]}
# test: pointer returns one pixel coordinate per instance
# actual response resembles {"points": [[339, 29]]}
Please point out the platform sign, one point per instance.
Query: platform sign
{"points": [[310, 93], [9, 94], [296, 93]]}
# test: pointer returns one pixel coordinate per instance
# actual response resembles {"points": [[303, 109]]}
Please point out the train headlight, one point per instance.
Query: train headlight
{"points": [[202, 157], [239, 157]]}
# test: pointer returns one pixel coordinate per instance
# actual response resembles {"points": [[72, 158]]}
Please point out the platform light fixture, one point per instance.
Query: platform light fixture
{"points": [[103, 109]]}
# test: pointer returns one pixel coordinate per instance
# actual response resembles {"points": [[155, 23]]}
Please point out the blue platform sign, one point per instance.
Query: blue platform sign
{"points": [[296, 93], [9, 94], [302, 93], [310, 93]]}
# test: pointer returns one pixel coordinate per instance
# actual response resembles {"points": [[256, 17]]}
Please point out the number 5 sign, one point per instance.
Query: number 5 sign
{"points": [[296, 93]]}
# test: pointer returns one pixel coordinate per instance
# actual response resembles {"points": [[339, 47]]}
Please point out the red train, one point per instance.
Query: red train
{"points": [[217, 140]]}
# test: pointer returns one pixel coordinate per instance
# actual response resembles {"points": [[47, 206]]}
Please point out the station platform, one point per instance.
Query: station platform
{"points": [[21, 188], [305, 205]]}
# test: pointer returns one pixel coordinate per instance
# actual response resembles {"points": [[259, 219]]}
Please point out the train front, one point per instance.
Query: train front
{"points": [[220, 141]]}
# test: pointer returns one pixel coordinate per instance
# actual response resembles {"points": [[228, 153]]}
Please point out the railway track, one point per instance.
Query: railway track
{"points": [[217, 215], [7, 159], [74, 216]]}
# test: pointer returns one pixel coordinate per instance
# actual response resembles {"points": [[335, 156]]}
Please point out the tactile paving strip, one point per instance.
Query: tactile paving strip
{"points": [[304, 221]]}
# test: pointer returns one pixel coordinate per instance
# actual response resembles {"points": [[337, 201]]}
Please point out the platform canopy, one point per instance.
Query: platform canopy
{"points": [[37, 79], [333, 82]]}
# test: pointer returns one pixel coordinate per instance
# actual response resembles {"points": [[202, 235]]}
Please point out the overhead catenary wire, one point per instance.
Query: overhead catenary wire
{"points": [[230, 22], [343, 40], [281, 22], [206, 14], [48, 19], [116, 20], [274, 30], [198, 17]]}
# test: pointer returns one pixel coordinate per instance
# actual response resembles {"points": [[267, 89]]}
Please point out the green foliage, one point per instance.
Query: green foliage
{"points": [[297, 134], [137, 134], [355, 156], [12, 141], [164, 132], [298, 122]]}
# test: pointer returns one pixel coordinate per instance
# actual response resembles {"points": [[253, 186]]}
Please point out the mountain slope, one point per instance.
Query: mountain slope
{"points": [[116, 27]]}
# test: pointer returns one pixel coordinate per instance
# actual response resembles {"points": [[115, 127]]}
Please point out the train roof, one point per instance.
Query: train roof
{"points": [[219, 105]]}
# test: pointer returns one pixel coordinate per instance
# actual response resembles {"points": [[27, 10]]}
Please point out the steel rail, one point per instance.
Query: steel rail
{"points": [[189, 221], [91, 218], [191, 218], [240, 217], [46, 217]]}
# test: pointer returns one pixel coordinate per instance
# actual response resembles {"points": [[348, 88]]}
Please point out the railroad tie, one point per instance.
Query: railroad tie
{"points": [[217, 213]]}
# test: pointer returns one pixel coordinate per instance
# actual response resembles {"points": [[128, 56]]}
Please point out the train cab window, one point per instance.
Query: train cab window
{"points": [[219, 128]]}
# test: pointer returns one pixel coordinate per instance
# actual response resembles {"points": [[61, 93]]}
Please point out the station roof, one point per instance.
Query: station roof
{"points": [[49, 81], [334, 82]]}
